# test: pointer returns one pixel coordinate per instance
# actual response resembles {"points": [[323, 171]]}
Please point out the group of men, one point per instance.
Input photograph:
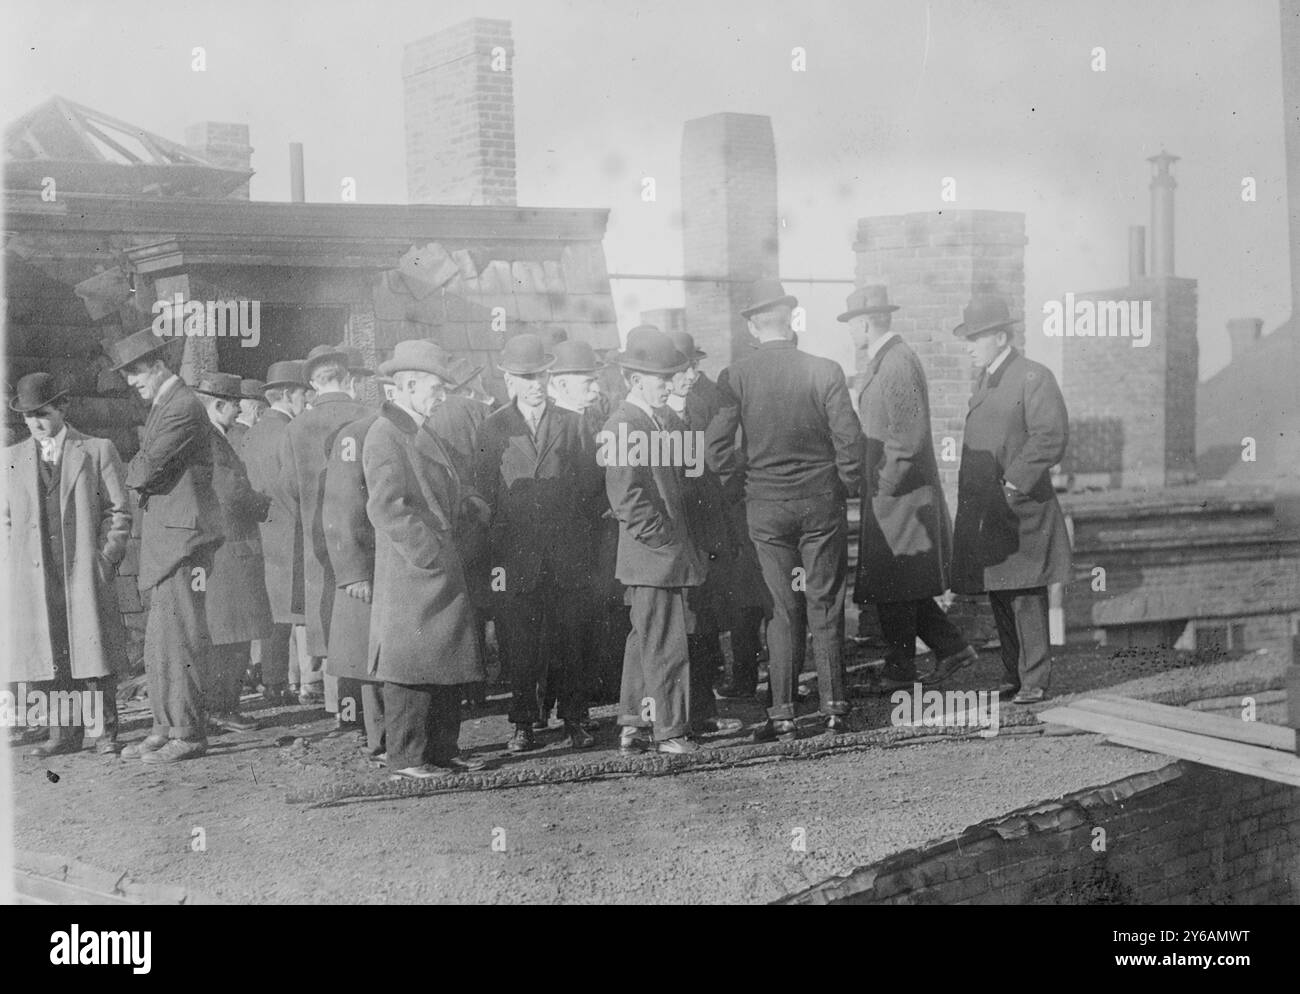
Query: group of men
{"points": [[354, 555]]}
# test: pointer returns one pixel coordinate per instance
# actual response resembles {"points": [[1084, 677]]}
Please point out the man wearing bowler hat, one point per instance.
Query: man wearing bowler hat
{"points": [[658, 558], [286, 396], [537, 470], [802, 457], [1010, 537], [305, 449], [423, 645], [252, 402], [66, 523], [237, 606], [181, 529]]}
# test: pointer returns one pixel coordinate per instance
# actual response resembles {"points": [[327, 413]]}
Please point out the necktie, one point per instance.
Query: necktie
{"points": [[534, 420]]}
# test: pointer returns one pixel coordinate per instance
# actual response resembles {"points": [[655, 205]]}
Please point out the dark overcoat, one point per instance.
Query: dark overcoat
{"points": [[96, 524], [351, 541], [546, 496], [172, 475], [655, 544], [305, 451], [905, 546], [422, 625], [281, 534], [456, 422], [1016, 431], [237, 605]]}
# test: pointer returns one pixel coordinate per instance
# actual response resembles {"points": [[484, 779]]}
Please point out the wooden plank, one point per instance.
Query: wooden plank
{"points": [[1198, 722], [1233, 756], [42, 890]]}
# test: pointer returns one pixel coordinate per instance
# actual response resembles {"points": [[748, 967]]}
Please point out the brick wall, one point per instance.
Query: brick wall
{"points": [[729, 226], [460, 116], [1184, 834], [223, 144]]}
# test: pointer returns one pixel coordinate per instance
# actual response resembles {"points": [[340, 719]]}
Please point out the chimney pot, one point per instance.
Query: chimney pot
{"points": [[1243, 333], [1162, 214]]}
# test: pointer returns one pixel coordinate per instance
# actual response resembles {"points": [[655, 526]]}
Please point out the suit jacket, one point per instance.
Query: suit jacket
{"points": [[237, 605], [281, 532], [351, 541], [801, 437], [1016, 430], [96, 525], [655, 544], [905, 548], [305, 449], [546, 497], [235, 435], [172, 474], [422, 625], [456, 422]]}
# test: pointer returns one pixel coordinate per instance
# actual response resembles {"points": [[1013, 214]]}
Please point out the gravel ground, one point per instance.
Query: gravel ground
{"points": [[716, 836]]}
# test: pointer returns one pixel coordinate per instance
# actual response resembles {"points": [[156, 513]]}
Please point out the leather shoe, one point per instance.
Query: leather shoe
{"points": [[677, 746], [950, 665], [540, 726], [1031, 696], [175, 750], [719, 726], [310, 695], [61, 748], [631, 739], [576, 737], [836, 723], [1006, 691], [139, 749], [107, 747], [776, 730], [233, 721], [458, 765], [887, 682], [426, 772], [731, 691], [522, 740]]}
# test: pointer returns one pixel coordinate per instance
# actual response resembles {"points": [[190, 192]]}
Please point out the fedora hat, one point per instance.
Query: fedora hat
{"points": [[34, 391], [525, 354], [766, 294], [649, 350], [251, 389], [136, 346], [575, 357], [419, 355], [684, 343], [224, 385], [983, 314], [285, 375], [356, 361], [868, 300], [320, 354]]}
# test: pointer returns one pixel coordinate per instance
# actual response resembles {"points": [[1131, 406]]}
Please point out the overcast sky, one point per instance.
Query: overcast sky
{"points": [[896, 96]]}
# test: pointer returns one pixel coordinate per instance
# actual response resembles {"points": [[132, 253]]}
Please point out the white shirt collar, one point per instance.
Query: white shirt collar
{"points": [[419, 419], [874, 349], [168, 386], [676, 403], [51, 448], [1002, 357], [531, 411]]}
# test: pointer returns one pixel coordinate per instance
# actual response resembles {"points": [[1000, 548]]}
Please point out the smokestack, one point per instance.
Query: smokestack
{"points": [[1137, 253], [297, 179], [1162, 214], [1243, 333]]}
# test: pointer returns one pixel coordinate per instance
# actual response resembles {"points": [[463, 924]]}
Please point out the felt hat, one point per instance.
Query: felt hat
{"points": [[575, 357], [136, 346], [649, 350], [684, 343], [420, 355], [34, 391], [525, 354], [320, 354], [984, 314], [285, 375], [251, 389], [766, 294], [868, 300], [224, 385]]}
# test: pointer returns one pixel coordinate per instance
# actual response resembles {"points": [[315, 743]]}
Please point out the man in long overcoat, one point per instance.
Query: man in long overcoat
{"points": [[238, 609], [422, 639], [905, 543], [286, 395], [66, 522], [1010, 537]]}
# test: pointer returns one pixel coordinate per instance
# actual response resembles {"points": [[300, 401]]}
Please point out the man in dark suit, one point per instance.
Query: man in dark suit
{"points": [[252, 402], [802, 453], [422, 640], [1010, 537], [286, 395], [181, 529], [658, 559], [905, 541], [237, 606], [537, 471], [305, 448]]}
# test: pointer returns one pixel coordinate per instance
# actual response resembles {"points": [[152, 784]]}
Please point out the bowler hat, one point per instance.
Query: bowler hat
{"points": [[285, 375], [868, 300], [684, 343], [983, 314], [136, 346], [525, 354], [649, 350], [321, 354], [419, 355], [766, 294], [575, 357], [34, 391], [356, 361], [251, 389], [553, 336], [224, 385]]}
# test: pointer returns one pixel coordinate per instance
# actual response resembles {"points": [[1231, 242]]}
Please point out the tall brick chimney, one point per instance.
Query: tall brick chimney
{"points": [[1162, 214], [729, 225], [458, 86], [1290, 14], [223, 144]]}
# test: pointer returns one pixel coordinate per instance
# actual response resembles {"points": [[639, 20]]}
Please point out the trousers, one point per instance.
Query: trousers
{"points": [[1022, 620], [902, 621], [421, 724], [656, 663], [545, 630], [226, 666], [176, 654]]}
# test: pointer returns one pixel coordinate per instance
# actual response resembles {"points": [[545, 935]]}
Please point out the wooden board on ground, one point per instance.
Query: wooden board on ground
{"points": [[1198, 722]]}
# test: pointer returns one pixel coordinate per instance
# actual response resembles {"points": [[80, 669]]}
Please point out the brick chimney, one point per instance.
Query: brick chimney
{"points": [[729, 225], [223, 144], [1243, 333], [1162, 214], [458, 86]]}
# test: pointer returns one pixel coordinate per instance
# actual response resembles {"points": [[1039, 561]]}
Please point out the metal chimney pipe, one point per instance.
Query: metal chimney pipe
{"points": [[297, 180], [1137, 253], [1162, 214]]}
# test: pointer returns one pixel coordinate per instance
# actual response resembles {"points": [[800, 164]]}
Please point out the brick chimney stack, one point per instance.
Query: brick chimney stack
{"points": [[1162, 214], [223, 144], [460, 115]]}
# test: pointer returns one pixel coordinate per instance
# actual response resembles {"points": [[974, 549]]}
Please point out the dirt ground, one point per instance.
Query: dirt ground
{"points": [[711, 836]]}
